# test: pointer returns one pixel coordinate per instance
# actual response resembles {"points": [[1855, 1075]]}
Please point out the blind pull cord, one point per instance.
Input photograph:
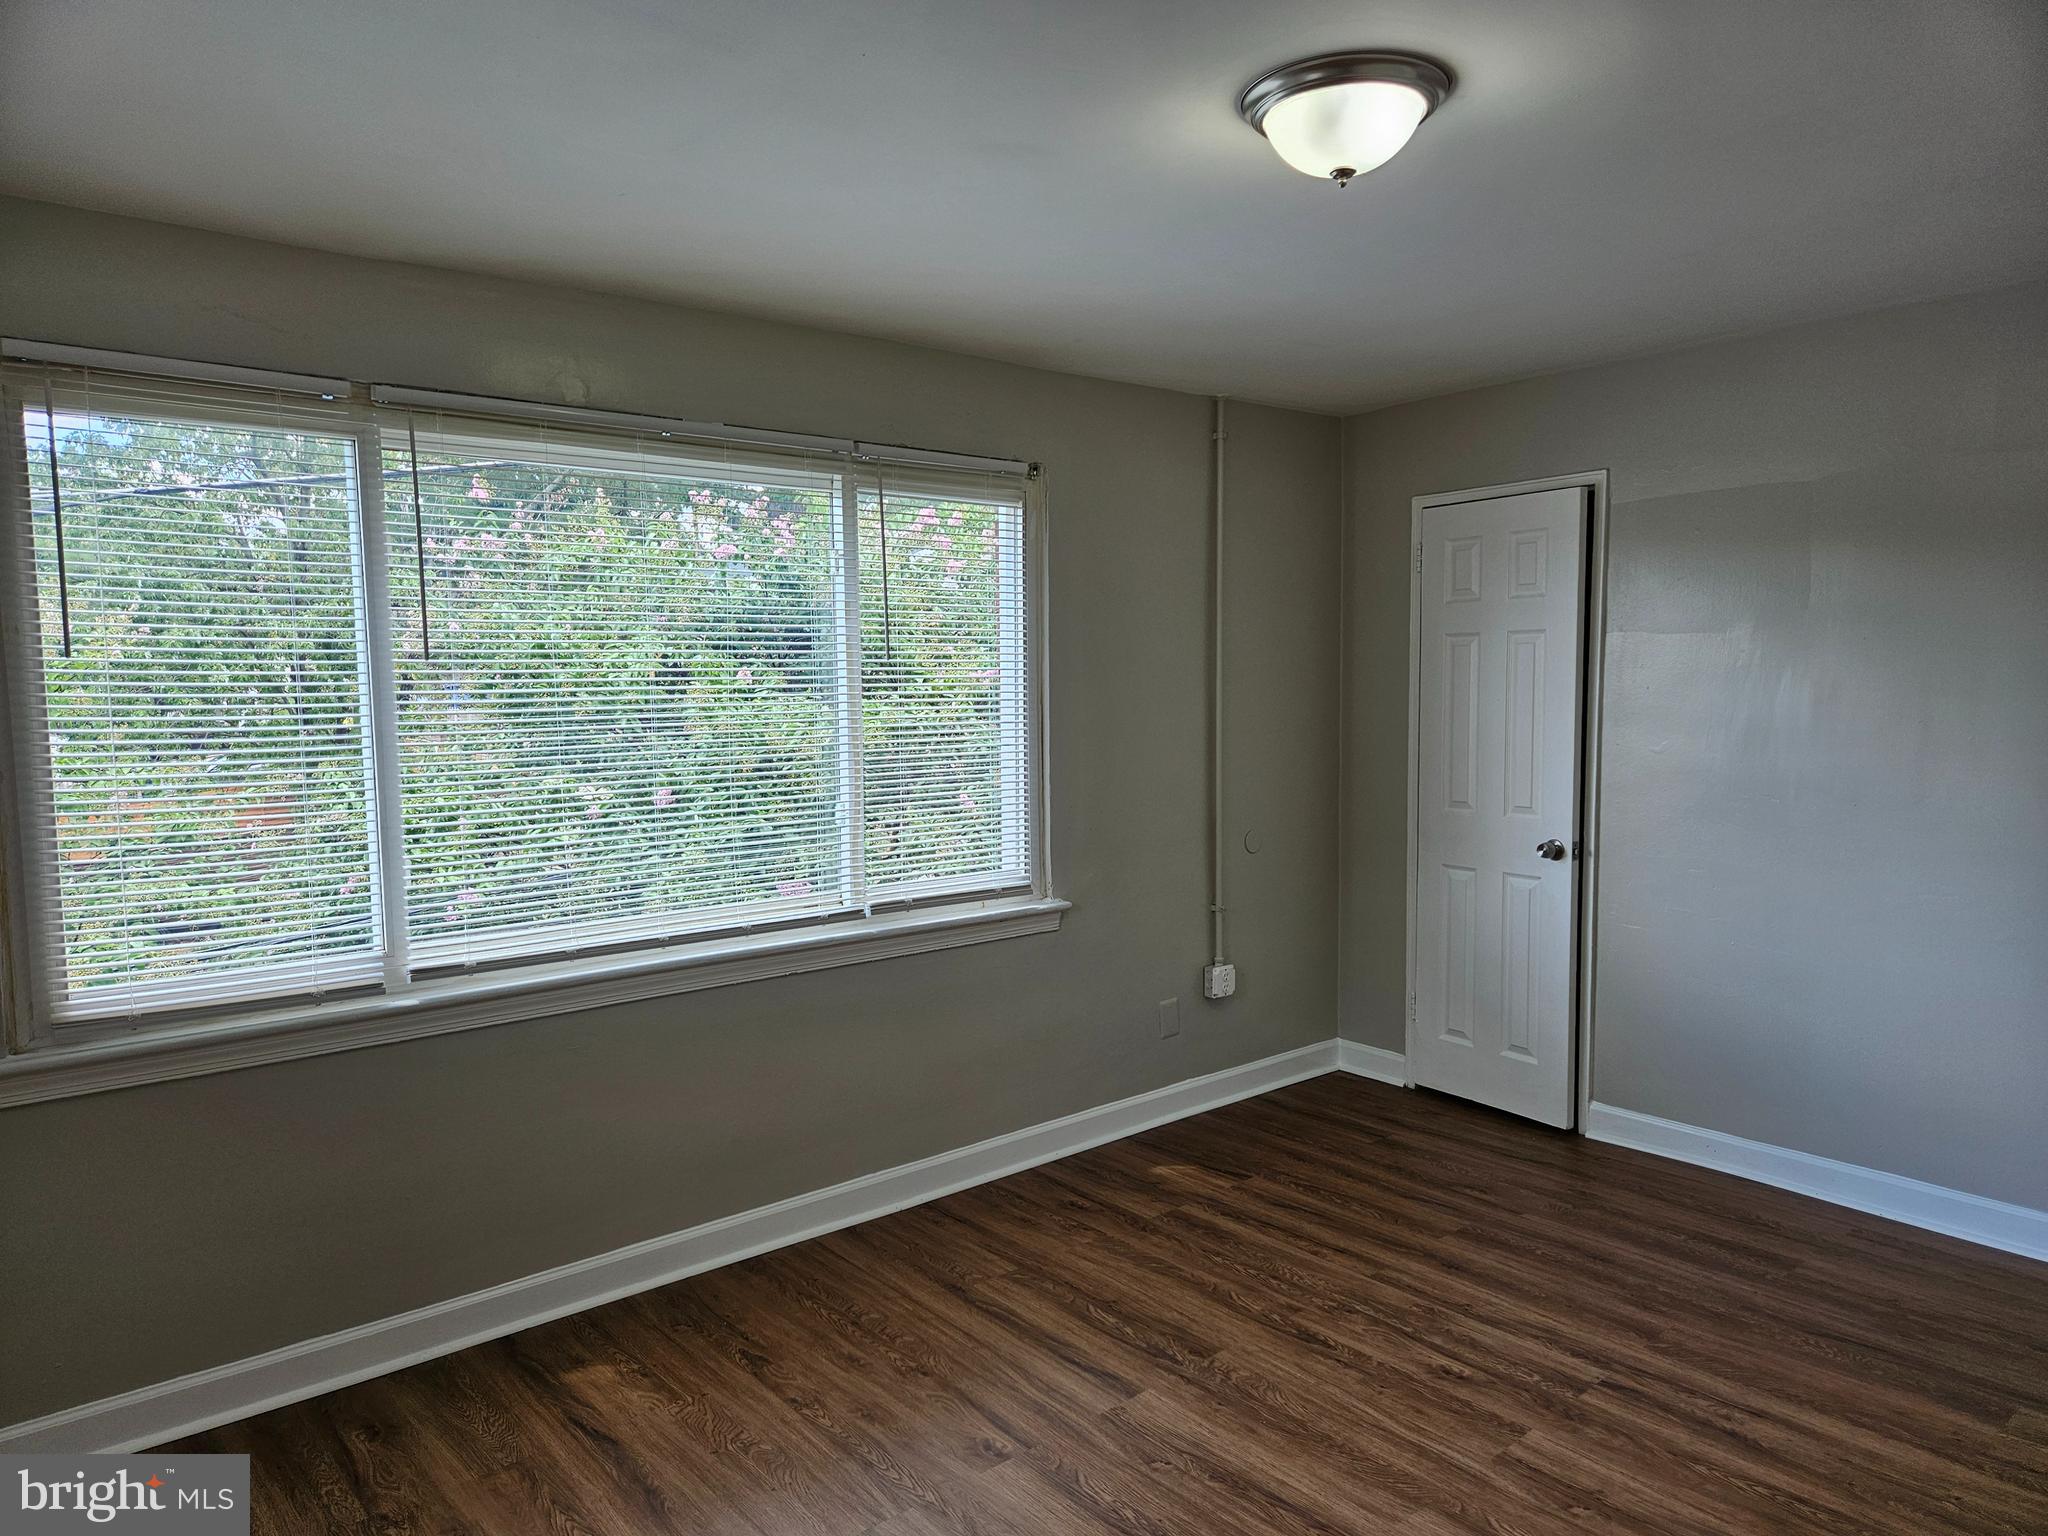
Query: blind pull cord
{"points": [[419, 537], [57, 517]]}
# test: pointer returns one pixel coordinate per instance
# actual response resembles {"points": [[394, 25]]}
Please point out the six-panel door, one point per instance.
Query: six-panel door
{"points": [[1497, 779]]}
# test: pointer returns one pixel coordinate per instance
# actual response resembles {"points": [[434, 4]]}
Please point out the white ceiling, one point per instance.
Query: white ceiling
{"points": [[1066, 182]]}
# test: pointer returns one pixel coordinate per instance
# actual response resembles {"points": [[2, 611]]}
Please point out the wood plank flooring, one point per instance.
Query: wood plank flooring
{"points": [[1340, 1308]]}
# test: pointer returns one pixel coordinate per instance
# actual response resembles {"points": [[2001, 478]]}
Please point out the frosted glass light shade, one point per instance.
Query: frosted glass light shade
{"points": [[1345, 130], [1339, 115]]}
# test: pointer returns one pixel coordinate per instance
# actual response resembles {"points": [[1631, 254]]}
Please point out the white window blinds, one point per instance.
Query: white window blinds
{"points": [[621, 677], [195, 768], [944, 703], [317, 697]]}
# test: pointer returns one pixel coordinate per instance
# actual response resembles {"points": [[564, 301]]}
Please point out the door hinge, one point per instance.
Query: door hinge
{"points": [[1418, 559], [1411, 1007]]}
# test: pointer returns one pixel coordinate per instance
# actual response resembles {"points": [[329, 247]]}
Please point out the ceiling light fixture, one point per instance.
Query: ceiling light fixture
{"points": [[1340, 115]]}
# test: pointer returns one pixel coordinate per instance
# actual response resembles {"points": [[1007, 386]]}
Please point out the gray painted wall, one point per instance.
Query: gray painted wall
{"points": [[1823, 914], [164, 1229], [1824, 879]]}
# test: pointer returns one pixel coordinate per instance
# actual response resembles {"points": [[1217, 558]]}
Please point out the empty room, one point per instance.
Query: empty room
{"points": [[905, 768]]}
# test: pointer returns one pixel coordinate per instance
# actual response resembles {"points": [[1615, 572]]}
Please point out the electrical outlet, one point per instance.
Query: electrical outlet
{"points": [[1169, 1017], [1219, 981]]}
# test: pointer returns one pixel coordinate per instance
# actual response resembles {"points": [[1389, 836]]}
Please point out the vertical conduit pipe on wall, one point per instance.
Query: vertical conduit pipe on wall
{"points": [[1216, 710]]}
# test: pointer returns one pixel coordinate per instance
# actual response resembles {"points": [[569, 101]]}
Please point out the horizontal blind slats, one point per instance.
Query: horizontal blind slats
{"points": [[641, 641], [199, 789], [944, 711], [620, 690]]}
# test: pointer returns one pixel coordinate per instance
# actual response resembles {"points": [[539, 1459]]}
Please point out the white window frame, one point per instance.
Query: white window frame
{"points": [[42, 1061]]}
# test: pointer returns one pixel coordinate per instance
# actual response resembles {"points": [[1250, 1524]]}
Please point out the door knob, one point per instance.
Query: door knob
{"points": [[1552, 849]]}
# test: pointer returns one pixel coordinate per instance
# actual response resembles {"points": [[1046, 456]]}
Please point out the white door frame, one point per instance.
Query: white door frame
{"points": [[1593, 660]]}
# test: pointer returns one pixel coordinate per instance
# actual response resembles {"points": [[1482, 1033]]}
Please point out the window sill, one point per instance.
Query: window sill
{"points": [[473, 1002]]}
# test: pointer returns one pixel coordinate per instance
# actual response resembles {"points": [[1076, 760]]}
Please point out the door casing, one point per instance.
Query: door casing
{"points": [[1593, 658]]}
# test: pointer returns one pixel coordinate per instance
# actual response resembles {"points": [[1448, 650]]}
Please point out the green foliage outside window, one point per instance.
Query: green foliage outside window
{"points": [[625, 704]]}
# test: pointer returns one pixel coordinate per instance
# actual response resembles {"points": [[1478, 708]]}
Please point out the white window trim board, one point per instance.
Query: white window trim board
{"points": [[477, 1001]]}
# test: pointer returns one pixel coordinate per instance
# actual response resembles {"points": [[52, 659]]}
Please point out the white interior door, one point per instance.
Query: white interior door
{"points": [[1497, 800]]}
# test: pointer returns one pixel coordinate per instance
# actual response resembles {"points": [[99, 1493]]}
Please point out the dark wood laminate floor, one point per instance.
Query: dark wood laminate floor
{"points": [[1337, 1308]]}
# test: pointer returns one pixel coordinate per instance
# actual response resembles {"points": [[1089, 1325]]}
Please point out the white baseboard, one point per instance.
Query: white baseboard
{"points": [[1371, 1061], [2014, 1228], [188, 1404]]}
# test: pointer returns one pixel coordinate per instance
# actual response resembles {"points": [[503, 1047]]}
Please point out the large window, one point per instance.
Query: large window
{"points": [[317, 698]]}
